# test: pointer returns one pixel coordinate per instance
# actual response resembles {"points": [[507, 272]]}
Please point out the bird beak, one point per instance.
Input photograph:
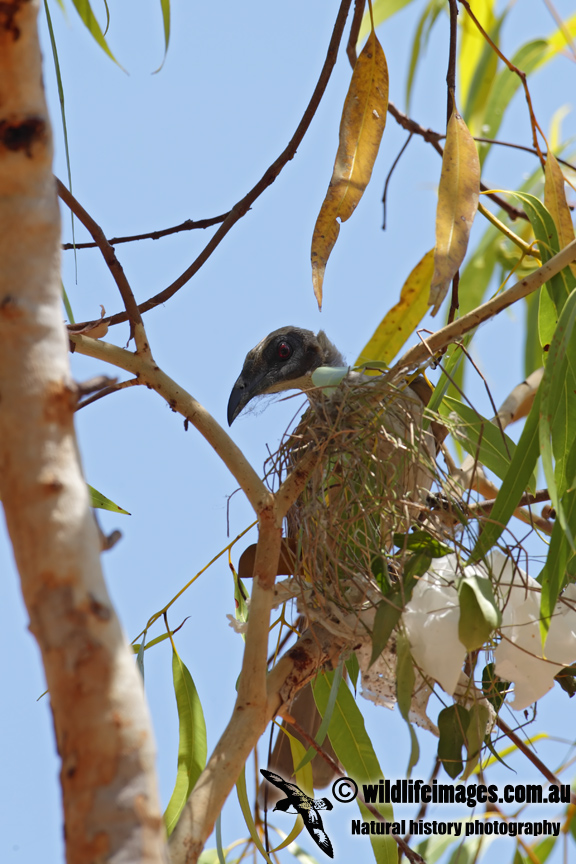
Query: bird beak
{"points": [[242, 392]]}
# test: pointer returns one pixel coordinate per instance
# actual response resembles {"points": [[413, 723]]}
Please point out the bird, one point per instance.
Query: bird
{"points": [[298, 802], [286, 359]]}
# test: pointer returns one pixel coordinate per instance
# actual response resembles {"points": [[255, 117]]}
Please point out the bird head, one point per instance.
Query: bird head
{"points": [[284, 360]]}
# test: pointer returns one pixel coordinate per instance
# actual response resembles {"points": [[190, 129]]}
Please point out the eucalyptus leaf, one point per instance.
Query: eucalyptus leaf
{"points": [[452, 725], [479, 613]]}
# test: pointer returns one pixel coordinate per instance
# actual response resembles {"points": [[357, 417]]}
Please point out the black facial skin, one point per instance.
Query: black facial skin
{"points": [[286, 355]]}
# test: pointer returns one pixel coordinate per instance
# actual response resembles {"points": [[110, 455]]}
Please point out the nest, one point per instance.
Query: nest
{"points": [[375, 467]]}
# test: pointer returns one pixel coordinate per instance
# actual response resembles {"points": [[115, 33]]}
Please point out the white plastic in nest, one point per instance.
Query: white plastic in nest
{"points": [[520, 657], [329, 377], [431, 621]]}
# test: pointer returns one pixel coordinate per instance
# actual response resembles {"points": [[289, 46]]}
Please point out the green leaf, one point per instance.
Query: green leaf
{"points": [[388, 612], [405, 676], [67, 305], [136, 647], [558, 410], [387, 616], [484, 440], [559, 561], [355, 752], [89, 19], [326, 717], [192, 746], [452, 723], [475, 735], [506, 83], [493, 687], [561, 285], [414, 750], [425, 24], [303, 780], [379, 570], [532, 343], [566, 678], [422, 542], [165, 7], [140, 654], [100, 502], [382, 10], [218, 833], [453, 362], [479, 614], [542, 850], [64, 132], [483, 78], [403, 318], [247, 814], [353, 669], [514, 484]]}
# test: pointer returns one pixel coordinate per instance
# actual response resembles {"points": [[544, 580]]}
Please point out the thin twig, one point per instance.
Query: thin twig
{"points": [[433, 138], [451, 73], [132, 311], [531, 756], [359, 6], [106, 391], [179, 400], [410, 125], [387, 181], [454, 302], [192, 224], [522, 75], [485, 507], [450, 107], [269, 176], [188, 225], [522, 147]]}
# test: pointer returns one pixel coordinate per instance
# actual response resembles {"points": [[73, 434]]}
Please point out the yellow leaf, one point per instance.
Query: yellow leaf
{"points": [[457, 204], [471, 45], [558, 40], [555, 133], [404, 317], [361, 128], [555, 202]]}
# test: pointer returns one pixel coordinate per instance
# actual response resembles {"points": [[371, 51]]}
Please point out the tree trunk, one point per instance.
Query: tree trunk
{"points": [[101, 720]]}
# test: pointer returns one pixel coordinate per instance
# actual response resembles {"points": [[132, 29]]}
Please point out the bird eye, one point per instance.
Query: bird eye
{"points": [[284, 350]]}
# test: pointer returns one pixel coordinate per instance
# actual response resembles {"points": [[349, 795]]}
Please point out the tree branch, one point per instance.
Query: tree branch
{"points": [[269, 176], [359, 6], [522, 75], [434, 138], [531, 756], [179, 400], [188, 225], [137, 331], [443, 337]]}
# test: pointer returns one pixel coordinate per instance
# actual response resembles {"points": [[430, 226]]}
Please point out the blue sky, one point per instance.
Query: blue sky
{"points": [[149, 151]]}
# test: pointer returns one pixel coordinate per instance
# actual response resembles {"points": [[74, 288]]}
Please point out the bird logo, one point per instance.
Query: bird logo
{"points": [[304, 806]]}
